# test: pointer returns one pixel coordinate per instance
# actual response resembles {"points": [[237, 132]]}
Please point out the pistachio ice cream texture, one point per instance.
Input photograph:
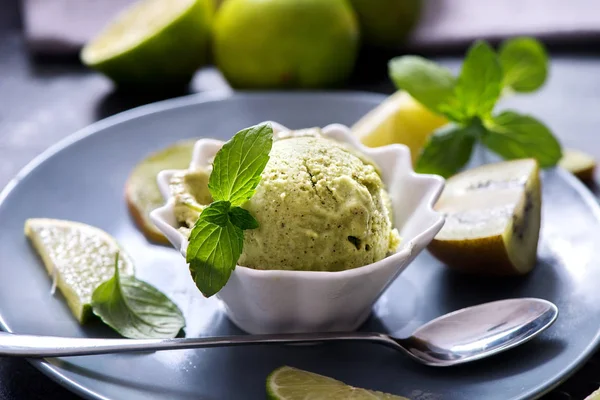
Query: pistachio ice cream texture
{"points": [[320, 205]]}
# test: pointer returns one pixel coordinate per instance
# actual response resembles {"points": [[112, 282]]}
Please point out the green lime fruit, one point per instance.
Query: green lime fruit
{"points": [[386, 23], [285, 44], [287, 383], [153, 43], [79, 257]]}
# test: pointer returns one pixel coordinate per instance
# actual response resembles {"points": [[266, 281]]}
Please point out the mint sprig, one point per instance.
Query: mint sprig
{"points": [[136, 309], [217, 238], [469, 100]]}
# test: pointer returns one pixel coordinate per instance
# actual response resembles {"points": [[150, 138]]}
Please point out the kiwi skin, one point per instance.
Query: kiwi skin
{"points": [[587, 174], [580, 164], [489, 252]]}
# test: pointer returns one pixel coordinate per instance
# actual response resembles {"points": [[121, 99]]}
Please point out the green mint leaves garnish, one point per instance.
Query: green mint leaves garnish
{"points": [[450, 150], [238, 165], [525, 64], [514, 135], [430, 84], [469, 100], [217, 238], [136, 309], [213, 249], [479, 83]]}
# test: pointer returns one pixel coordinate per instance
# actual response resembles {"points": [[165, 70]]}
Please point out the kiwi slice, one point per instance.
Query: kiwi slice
{"points": [[141, 190], [493, 215], [580, 164]]}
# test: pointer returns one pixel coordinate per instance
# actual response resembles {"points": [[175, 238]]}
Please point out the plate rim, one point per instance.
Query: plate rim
{"points": [[57, 376]]}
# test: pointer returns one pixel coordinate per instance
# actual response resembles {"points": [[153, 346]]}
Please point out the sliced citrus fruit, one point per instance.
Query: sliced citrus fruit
{"points": [[399, 119], [580, 164], [153, 42], [493, 217], [287, 383], [79, 257], [141, 190]]}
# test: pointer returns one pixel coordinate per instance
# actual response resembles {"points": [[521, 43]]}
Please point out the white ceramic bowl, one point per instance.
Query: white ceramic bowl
{"points": [[275, 301]]}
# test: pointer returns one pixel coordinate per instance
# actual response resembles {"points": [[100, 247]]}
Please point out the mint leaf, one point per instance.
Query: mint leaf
{"points": [[217, 213], [216, 240], [427, 82], [448, 149], [242, 218], [513, 135], [213, 251], [525, 64], [480, 81], [136, 309], [239, 163]]}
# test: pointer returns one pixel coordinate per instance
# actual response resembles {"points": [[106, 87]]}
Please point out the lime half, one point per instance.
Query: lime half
{"points": [[154, 42], [287, 383], [141, 190], [79, 257]]}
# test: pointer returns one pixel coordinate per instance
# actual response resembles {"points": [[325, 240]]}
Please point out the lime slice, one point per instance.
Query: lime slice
{"points": [[287, 383], [153, 42], [141, 190], [399, 119], [78, 256]]}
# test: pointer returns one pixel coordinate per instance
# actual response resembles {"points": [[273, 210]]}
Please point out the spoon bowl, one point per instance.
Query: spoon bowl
{"points": [[462, 336], [476, 332]]}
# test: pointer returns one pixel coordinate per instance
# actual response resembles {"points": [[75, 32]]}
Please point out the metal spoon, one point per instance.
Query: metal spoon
{"points": [[456, 338]]}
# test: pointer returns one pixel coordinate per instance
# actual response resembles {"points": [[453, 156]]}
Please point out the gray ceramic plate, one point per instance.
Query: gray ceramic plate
{"points": [[93, 166]]}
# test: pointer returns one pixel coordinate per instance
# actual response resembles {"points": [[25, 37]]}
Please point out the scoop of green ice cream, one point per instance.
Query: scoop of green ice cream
{"points": [[320, 207]]}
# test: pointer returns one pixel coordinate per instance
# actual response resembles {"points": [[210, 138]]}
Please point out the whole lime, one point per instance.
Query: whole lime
{"points": [[386, 23], [285, 43]]}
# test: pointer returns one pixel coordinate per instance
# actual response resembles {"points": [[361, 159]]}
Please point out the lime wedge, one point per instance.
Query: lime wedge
{"points": [[141, 190], [287, 383], [399, 119], [153, 42], [78, 256]]}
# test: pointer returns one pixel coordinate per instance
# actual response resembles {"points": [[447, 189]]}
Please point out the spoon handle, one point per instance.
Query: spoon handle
{"points": [[14, 345]]}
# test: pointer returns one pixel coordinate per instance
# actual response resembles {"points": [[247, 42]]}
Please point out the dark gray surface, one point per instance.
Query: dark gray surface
{"points": [[96, 168], [44, 101]]}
